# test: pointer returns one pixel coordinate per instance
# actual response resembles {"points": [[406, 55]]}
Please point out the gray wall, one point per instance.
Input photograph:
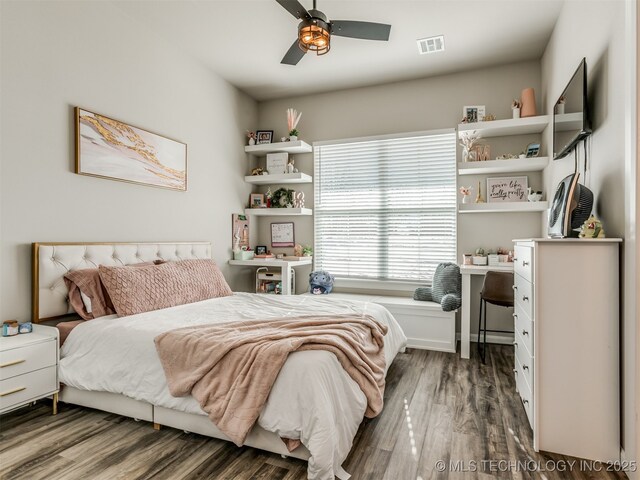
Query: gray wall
{"points": [[425, 104], [56, 55], [596, 30]]}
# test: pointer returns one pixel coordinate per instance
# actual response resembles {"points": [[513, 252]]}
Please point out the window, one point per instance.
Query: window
{"points": [[385, 207]]}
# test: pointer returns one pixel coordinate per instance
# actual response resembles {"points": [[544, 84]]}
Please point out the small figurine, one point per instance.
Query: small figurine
{"points": [[465, 192], [298, 200], [534, 196], [592, 228], [257, 171], [297, 250], [268, 197], [252, 137], [479, 197], [291, 166]]}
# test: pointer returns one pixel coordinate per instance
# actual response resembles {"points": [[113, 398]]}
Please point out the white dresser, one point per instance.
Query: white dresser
{"points": [[29, 368], [566, 319]]}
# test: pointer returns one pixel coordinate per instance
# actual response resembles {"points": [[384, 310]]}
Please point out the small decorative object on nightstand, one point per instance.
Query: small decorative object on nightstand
{"points": [[29, 368]]}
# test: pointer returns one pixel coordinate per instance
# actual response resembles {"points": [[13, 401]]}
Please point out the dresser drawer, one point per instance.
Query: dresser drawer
{"points": [[525, 393], [525, 359], [522, 262], [524, 326], [523, 294], [26, 387], [28, 358]]}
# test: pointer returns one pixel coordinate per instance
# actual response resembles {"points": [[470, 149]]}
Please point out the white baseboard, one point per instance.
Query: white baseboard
{"points": [[506, 339], [422, 344]]}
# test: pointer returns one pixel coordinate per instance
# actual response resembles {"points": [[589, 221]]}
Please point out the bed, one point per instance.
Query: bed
{"points": [[110, 363]]}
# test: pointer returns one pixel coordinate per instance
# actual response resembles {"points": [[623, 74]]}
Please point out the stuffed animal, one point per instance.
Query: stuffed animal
{"points": [[445, 288], [320, 282]]}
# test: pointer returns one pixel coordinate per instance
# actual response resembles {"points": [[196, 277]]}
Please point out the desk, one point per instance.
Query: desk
{"points": [[284, 266], [465, 309]]}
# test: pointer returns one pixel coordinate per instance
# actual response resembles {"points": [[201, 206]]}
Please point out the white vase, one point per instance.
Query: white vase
{"points": [[465, 198], [252, 141], [293, 138], [516, 112]]}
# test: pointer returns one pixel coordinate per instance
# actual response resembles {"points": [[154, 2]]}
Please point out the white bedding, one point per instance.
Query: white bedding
{"points": [[313, 398]]}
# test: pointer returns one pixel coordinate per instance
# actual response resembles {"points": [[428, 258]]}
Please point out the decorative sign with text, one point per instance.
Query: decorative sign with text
{"points": [[507, 189]]}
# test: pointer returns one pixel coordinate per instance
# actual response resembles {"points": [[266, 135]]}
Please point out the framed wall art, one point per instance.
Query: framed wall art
{"points": [[115, 150], [282, 234], [507, 189]]}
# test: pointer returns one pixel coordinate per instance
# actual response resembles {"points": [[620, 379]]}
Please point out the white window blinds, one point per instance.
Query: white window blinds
{"points": [[385, 207]]}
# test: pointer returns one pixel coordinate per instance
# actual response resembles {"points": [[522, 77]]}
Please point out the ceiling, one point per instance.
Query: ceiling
{"points": [[244, 40]]}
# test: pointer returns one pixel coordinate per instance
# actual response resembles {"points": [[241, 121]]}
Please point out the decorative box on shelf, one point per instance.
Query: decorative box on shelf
{"points": [[243, 255]]}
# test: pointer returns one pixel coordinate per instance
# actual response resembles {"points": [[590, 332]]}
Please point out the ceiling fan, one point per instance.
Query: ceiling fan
{"points": [[315, 30]]}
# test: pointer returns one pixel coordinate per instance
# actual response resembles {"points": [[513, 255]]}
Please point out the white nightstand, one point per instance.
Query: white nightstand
{"points": [[29, 368]]}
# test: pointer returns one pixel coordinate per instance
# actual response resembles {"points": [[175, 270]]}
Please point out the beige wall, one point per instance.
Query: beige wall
{"points": [[426, 104], [596, 30], [56, 55]]}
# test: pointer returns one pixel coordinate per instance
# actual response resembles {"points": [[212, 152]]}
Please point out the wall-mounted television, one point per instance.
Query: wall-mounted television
{"points": [[570, 114]]}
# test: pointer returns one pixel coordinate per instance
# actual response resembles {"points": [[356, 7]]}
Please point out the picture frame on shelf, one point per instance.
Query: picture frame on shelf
{"points": [[261, 249], [256, 200], [264, 137], [473, 113], [533, 150], [282, 234], [507, 189]]}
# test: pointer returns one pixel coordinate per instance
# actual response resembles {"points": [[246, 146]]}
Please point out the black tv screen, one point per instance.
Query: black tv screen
{"points": [[570, 114]]}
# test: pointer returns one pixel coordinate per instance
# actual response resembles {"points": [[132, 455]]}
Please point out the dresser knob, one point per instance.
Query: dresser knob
{"points": [[515, 370], [515, 287], [525, 367], [525, 263], [524, 332], [515, 344], [525, 401], [514, 315], [515, 259], [525, 298]]}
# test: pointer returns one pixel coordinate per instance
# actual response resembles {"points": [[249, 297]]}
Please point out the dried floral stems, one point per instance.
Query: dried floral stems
{"points": [[293, 117]]}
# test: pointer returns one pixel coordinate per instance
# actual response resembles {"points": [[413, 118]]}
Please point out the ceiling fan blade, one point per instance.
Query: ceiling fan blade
{"points": [[293, 55], [294, 8], [364, 30]]}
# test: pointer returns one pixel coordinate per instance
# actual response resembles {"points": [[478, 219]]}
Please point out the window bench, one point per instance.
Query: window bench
{"points": [[424, 323]]}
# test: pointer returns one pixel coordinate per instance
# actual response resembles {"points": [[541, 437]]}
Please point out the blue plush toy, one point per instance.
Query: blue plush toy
{"points": [[320, 282]]}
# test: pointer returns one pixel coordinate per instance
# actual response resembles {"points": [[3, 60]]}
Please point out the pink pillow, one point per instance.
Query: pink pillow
{"points": [[143, 289], [87, 282]]}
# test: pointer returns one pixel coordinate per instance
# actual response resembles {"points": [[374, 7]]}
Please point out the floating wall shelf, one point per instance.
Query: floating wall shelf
{"points": [[510, 126], [534, 164], [277, 212], [279, 178], [289, 147], [510, 207]]}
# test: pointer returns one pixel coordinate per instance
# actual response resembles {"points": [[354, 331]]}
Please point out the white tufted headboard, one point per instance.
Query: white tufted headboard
{"points": [[52, 260]]}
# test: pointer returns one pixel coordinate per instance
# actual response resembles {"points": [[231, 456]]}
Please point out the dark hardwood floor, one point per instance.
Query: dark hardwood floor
{"points": [[437, 408]]}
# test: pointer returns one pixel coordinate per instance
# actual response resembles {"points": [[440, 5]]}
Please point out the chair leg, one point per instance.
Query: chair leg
{"points": [[484, 347], [481, 348], [479, 327]]}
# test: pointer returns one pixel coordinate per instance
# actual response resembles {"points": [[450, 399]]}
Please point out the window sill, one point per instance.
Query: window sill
{"points": [[380, 287]]}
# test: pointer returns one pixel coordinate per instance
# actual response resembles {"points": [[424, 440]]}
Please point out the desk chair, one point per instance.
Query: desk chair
{"points": [[497, 289]]}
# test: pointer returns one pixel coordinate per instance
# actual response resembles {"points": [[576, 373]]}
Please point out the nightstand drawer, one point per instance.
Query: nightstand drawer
{"points": [[32, 385], [18, 361]]}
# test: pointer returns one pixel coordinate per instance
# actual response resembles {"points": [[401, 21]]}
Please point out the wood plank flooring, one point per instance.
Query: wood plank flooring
{"points": [[437, 407]]}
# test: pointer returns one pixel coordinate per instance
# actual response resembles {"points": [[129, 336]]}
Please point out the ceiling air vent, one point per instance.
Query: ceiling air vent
{"points": [[431, 44]]}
